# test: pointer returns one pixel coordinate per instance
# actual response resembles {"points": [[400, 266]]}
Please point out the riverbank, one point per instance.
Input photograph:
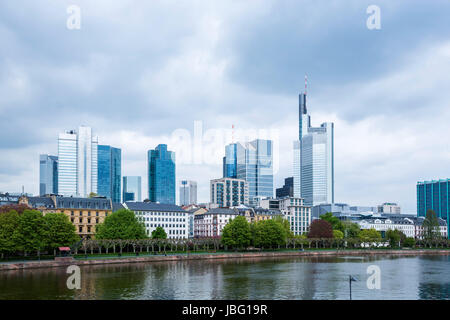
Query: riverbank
{"points": [[231, 255]]}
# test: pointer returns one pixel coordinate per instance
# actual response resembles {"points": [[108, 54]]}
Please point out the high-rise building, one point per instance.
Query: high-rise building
{"points": [[161, 175], [314, 156], [229, 192], [287, 190], [109, 172], [434, 195], [188, 192], [77, 162], [131, 188], [252, 162], [48, 174], [230, 161]]}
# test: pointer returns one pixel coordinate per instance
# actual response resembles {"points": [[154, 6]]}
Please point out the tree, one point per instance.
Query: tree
{"points": [[61, 232], [336, 224], [430, 226], [369, 235], [286, 225], [237, 233], [159, 233], [121, 224], [350, 229], [31, 233], [320, 229], [395, 237], [92, 195], [337, 234], [19, 208], [269, 233], [9, 222], [409, 242]]}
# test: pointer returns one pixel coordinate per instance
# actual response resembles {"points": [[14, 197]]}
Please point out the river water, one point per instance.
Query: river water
{"points": [[415, 277]]}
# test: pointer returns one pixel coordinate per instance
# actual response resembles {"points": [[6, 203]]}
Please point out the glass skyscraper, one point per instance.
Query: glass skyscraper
{"points": [[313, 159], [188, 192], [48, 174], [132, 188], [161, 175], [434, 195], [77, 162], [109, 172], [252, 162]]}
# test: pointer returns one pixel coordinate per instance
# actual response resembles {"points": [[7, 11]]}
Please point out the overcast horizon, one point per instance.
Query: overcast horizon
{"points": [[141, 74]]}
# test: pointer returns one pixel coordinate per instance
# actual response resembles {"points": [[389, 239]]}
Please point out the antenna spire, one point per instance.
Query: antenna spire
{"points": [[232, 133], [306, 83]]}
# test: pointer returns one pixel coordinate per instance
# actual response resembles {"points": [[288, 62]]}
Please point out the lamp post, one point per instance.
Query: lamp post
{"points": [[350, 280]]}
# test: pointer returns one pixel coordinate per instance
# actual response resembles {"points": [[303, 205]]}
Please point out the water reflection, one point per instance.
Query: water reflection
{"points": [[424, 277]]}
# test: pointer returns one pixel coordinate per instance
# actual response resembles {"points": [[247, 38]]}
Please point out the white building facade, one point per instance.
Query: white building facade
{"points": [[172, 218], [297, 213], [210, 224], [77, 162], [228, 192]]}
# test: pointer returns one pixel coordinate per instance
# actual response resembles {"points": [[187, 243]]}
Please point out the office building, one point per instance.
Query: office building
{"points": [[188, 192], [389, 207], [434, 195], [77, 162], [228, 192], [48, 174], [297, 213], [287, 190], [131, 188], [172, 218], [161, 175], [109, 172], [252, 162], [314, 154]]}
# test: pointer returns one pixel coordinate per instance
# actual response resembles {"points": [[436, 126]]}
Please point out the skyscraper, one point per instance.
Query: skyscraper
{"points": [[161, 175], [77, 162], [48, 174], [131, 188], [188, 192], [109, 172], [253, 162], [313, 159], [434, 195]]}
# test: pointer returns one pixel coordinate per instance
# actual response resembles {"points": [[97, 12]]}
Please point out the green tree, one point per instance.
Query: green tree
{"points": [[337, 234], [269, 233], [121, 224], [286, 225], [430, 226], [159, 233], [237, 233], [61, 232], [350, 229], [92, 195], [31, 234], [336, 224], [19, 208], [369, 235], [395, 238], [9, 221], [409, 242]]}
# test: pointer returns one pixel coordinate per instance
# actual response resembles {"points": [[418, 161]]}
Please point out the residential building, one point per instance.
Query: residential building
{"points": [[405, 225], [84, 213], [172, 218], [188, 192], [254, 163], [314, 156], [132, 188], [434, 195], [287, 190], [161, 175], [389, 207], [297, 213], [228, 192], [192, 211], [77, 162], [48, 174], [211, 223], [109, 173], [442, 229]]}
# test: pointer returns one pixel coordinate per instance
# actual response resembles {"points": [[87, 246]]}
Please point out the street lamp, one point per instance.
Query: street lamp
{"points": [[350, 280]]}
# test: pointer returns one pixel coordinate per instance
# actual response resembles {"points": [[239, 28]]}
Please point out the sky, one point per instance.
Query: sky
{"points": [[185, 72]]}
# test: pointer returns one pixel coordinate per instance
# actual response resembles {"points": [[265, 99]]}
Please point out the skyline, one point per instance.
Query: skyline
{"points": [[388, 106]]}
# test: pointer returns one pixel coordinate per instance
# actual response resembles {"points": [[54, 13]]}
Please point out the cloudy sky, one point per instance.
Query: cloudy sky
{"points": [[143, 74]]}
